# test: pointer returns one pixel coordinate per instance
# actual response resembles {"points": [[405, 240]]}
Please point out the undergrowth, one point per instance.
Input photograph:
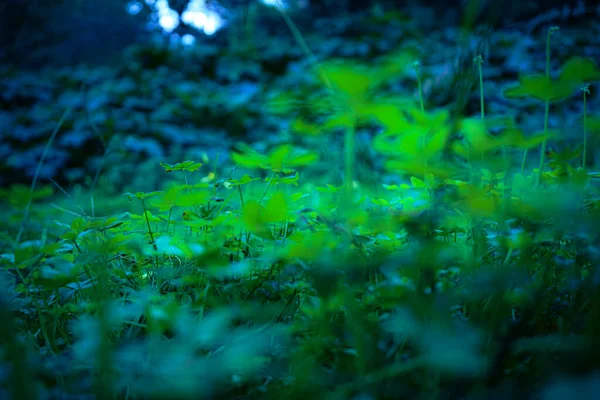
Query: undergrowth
{"points": [[457, 271]]}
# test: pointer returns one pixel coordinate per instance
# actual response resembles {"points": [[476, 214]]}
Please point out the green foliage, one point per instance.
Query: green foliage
{"points": [[575, 72], [454, 275], [189, 166], [281, 159]]}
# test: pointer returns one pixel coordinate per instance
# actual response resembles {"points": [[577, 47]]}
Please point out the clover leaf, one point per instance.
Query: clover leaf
{"points": [[579, 70], [542, 88]]}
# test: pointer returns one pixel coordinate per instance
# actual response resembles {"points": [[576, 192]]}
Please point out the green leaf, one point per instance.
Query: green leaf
{"points": [[19, 195], [148, 216], [593, 123], [436, 143], [177, 197], [579, 70], [302, 127], [398, 62], [238, 182], [286, 180], [278, 160], [541, 88], [248, 157], [251, 216], [580, 178], [417, 166], [299, 195], [278, 155], [416, 182], [390, 116], [303, 160], [516, 138], [142, 195], [380, 202], [79, 225], [351, 80], [430, 120], [245, 179], [189, 166], [275, 209], [328, 189], [282, 104], [390, 187], [59, 274], [342, 120]]}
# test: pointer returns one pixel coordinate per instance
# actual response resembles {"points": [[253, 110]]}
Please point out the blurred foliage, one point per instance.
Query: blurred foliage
{"points": [[203, 237]]}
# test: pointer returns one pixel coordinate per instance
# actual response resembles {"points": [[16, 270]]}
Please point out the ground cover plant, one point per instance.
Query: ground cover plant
{"points": [[447, 260]]}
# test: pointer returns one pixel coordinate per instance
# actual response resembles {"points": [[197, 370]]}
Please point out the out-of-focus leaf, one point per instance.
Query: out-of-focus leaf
{"points": [[275, 209], [541, 88], [579, 70]]}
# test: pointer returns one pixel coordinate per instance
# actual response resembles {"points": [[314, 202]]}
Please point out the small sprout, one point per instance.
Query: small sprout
{"points": [[586, 88], [479, 62], [416, 66], [586, 91]]}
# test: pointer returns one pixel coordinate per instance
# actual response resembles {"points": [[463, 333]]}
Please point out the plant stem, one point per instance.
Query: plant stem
{"points": [[543, 149], [417, 68], [38, 168], [267, 188], [479, 61], [148, 223], [349, 156], [420, 86], [585, 90], [547, 104]]}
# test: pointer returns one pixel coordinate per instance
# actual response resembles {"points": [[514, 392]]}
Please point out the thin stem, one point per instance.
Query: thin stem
{"points": [[148, 222], [420, 86], [349, 157], [546, 103], [479, 61], [267, 188], [417, 68], [302, 43], [543, 150], [585, 90]]}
